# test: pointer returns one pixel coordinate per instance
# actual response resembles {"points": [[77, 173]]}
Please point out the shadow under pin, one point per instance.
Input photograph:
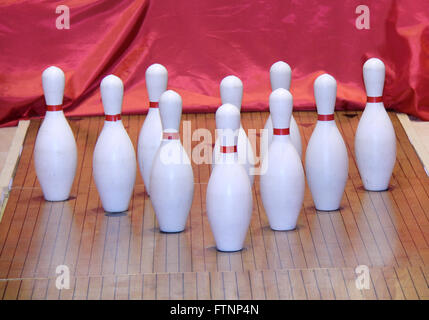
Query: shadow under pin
{"points": [[116, 214], [351, 115]]}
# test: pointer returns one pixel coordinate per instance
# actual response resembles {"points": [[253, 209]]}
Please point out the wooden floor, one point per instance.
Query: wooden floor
{"points": [[126, 257]]}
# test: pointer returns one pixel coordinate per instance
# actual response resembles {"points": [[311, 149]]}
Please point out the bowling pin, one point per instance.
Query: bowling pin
{"points": [[280, 77], [326, 160], [151, 131], [283, 184], [114, 161], [375, 140], [229, 192], [231, 91], [172, 179], [55, 151]]}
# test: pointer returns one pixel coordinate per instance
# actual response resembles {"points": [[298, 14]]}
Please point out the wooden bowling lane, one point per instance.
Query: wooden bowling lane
{"points": [[386, 283], [125, 256]]}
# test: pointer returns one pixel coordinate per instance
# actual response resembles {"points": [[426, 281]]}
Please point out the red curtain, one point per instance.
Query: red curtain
{"points": [[200, 42]]}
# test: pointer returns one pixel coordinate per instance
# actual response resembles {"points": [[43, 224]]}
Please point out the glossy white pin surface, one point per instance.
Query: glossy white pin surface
{"points": [[53, 82], [55, 151], [281, 104], [375, 139], [374, 73], [151, 132], [231, 92], [229, 192], [283, 184], [112, 93], [172, 179], [114, 160], [325, 94], [280, 77], [170, 108], [326, 160], [156, 81]]}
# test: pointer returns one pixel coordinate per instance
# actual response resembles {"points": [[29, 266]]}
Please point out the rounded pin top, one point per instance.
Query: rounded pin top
{"points": [[156, 81], [53, 82], [280, 75], [325, 93], [228, 122], [112, 92], [373, 75], [281, 102], [231, 91], [170, 108]]}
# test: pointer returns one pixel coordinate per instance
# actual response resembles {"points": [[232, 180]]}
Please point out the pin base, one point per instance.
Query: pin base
{"points": [[330, 210], [115, 212], [59, 200], [283, 229], [162, 231], [376, 189], [228, 251]]}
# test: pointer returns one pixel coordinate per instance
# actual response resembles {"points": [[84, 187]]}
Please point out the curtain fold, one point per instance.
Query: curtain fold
{"points": [[200, 42]]}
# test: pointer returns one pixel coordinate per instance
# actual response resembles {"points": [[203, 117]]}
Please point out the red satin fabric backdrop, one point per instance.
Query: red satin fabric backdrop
{"points": [[200, 42]]}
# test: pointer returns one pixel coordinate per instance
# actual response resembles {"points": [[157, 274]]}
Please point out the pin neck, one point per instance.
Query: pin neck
{"points": [[228, 149], [170, 136], [374, 99], [325, 117], [153, 104], [113, 118], [281, 131], [58, 107]]}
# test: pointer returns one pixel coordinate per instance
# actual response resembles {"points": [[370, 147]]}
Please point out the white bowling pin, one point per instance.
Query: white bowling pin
{"points": [[114, 161], [280, 77], [151, 132], [172, 179], [55, 151], [375, 140], [326, 160], [229, 192], [231, 91], [283, 184]]}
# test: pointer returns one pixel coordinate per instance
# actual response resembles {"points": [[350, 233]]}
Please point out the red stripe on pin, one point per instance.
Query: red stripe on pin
{"points": [[374, 99], [114, 117], [54, 108], [281, 132], [325, 117], [228, 149], [170, 136], [153, 104]]}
